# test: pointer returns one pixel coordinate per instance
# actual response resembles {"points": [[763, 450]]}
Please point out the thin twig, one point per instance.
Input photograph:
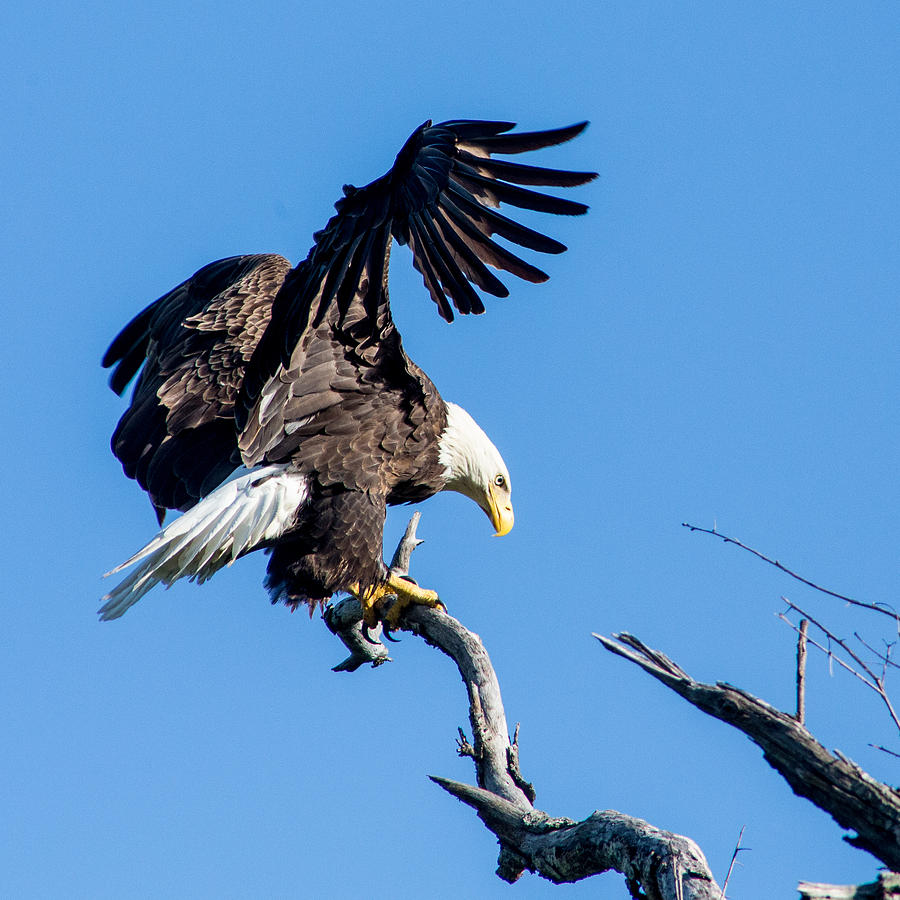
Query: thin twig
{"points": [[884, 657], [833, 637], [875, 682], [512, 765], [885, 749], [883, 608], [408, 543], [737, 849], [463, 747]]}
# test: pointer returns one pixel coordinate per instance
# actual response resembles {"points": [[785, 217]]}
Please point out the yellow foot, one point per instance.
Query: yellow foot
{"points": [[406, 593]]}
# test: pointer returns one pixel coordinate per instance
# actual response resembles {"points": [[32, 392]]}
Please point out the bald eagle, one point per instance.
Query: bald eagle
{"points": [[276, 407]]}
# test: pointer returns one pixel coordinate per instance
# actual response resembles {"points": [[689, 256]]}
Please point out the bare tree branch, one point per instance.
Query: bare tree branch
{"points": [[867, 676], [345, 619], [887, 886], [487, 718], [884, 658], [657, 864], [403, 554], [885, 750], [664, 866], [883, 608], [737, 849], [835, 784]]}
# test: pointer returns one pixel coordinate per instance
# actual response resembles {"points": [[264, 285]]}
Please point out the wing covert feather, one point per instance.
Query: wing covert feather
{"points": [[177, 439]]}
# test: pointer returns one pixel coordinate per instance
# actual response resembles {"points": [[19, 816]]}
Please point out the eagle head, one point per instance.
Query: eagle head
{"points": [[473, 466]]}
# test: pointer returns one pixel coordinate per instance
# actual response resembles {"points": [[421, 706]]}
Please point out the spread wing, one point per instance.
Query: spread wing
{"points": [[250, 360], [177, 439], [331, 346]]}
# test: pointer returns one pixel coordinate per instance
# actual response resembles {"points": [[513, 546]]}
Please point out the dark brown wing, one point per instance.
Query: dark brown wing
{"points": [[177, 438], [349, 407], [447, 189], [331, 346]]}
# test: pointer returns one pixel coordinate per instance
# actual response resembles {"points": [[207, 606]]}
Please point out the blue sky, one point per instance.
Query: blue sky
{"points": [[719, 345]]}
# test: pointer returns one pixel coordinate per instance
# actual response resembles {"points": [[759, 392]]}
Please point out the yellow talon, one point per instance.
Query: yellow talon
{"points": [[405, 591]]}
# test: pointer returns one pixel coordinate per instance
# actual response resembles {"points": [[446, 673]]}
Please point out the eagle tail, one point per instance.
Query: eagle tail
{"points": [[253, 508]]}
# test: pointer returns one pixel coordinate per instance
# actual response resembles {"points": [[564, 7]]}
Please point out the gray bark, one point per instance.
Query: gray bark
{"points": [[834, 783], [657, 865], [887, 886]]}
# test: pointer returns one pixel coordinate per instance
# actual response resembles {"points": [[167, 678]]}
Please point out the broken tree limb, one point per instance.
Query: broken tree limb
{"points": [[854, 799], [663, 865], [491, 746], [657, 864], [887, 887]]}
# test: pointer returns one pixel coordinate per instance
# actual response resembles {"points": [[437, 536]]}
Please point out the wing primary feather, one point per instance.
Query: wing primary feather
{"points": [[421, 262], [134, 332], [500, 192], [475, 128], [522, 174], [347, 283], [465, 299], [129, 348], [333, 277], [500, 224], [490, 251], [528, 140], [128, 366], [468, 258], [377, 260]]}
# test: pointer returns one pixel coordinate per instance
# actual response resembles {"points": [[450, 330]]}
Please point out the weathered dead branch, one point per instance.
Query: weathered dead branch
{"points": [[657, 864], [886, 888], [662, 864], [834, 783]]}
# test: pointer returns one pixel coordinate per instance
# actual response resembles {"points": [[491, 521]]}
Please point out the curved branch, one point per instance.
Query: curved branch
{"points": [[834, 783], [492, 748], [657, 865], [663, 865], [884, 608]]}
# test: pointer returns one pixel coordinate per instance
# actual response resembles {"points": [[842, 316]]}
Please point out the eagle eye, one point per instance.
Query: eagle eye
{"points": [[500, 481]]}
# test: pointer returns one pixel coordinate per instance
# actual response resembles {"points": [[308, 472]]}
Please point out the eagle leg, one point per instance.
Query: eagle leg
{"points": [[405, 591]]}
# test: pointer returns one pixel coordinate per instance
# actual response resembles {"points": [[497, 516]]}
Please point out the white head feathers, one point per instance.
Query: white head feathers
{"points": [[474, 467]]}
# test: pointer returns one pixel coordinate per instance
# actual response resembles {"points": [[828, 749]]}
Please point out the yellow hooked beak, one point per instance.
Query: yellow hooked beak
{"points": [[500, 512]]}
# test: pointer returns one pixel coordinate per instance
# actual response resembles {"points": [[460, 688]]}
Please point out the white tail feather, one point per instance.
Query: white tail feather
{"points": [[239, 515]]}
